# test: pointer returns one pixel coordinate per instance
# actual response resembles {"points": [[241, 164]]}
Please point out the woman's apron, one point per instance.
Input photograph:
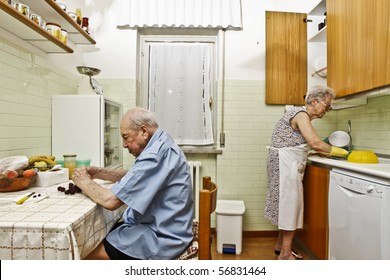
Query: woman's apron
{"points": [[292, 164]]}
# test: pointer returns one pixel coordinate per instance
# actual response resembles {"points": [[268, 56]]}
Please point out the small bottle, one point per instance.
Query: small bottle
{"points": [[85, 24], [70, 163], [79, 16]]}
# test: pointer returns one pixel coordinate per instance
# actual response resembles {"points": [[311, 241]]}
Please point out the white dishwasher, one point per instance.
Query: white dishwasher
{"points": [[359, 216]]}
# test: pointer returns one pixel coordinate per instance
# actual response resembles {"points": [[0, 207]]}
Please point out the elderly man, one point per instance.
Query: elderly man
{"points": [[157, 190]]}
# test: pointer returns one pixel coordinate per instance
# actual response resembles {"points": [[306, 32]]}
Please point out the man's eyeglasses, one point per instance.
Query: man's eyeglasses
{"points": [[327, 107]]}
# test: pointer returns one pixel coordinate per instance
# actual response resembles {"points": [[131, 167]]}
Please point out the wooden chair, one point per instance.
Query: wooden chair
{"points": [[207, 205]]}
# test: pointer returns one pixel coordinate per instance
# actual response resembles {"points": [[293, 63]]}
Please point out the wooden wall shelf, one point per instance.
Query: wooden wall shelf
{"points": [[24, 28]]}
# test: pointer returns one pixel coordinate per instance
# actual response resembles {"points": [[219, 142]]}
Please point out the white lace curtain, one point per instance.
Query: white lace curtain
{"points": [[179, 91], [222, 14]]}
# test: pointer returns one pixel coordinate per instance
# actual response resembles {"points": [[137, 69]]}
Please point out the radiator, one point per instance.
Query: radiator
{"points": [[195, 177]]}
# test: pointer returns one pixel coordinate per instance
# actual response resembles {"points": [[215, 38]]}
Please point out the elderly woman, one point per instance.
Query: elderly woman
{"points": [[292, 138]]}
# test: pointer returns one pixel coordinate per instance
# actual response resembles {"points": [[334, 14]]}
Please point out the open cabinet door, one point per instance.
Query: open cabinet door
{"points": [[358, 45], [286, 58]]}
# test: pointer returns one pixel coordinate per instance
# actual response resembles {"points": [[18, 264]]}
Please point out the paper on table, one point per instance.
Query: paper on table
{"points": [[50, 178], [34, 198]]}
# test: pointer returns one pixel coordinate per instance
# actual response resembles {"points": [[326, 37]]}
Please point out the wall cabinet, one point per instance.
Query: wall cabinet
{"points": [[21, 26], [358, 45], [314, 235], [354, 46], [286, 58]]}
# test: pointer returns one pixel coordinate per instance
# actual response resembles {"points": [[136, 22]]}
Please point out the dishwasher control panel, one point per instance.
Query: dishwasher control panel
{"points": [[359, 183]]}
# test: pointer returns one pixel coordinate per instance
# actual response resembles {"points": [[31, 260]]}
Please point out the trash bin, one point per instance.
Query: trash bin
{"points": [[229, 226]]}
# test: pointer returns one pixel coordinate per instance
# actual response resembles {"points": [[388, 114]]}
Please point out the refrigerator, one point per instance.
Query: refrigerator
{"points": [[87, 126]]}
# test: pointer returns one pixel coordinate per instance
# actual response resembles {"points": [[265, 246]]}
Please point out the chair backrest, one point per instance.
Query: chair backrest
{"points": [[207, 205]]}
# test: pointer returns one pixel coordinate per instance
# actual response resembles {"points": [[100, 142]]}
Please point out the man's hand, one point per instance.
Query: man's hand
{"points": [[81, 176]]}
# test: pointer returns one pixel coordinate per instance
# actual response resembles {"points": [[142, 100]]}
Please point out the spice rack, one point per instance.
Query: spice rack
{"points": [[21, 26]]}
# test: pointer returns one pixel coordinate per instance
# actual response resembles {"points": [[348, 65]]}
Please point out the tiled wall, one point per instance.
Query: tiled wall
{"points": [[27, 83], [370, 124]]}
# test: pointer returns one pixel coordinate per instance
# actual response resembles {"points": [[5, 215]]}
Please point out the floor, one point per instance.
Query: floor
{"points": [[253, 248]]}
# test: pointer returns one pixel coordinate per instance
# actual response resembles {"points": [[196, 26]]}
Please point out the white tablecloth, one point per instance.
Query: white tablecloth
{"points": [[57, 227]]}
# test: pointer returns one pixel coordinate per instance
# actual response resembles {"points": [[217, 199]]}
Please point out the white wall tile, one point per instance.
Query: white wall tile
{"points": [[27, 82]]}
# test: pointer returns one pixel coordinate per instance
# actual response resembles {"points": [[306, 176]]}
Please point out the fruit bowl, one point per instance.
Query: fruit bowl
{"points": [[17, 184]]}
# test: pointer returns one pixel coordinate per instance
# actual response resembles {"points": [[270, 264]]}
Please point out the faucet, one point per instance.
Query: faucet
{"points": [[350, 136]]}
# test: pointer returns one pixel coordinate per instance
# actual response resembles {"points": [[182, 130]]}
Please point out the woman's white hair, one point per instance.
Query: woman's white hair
{"points": [[319, 93]]}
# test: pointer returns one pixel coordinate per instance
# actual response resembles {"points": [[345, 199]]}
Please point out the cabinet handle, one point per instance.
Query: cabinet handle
{"points": [[307, 20]]}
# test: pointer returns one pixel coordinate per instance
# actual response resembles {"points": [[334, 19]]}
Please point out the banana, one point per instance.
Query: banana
{"points": [[50, 160], [41, 165]]}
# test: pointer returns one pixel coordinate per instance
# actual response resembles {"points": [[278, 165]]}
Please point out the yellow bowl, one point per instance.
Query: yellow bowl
{"points": [[365, 157]]}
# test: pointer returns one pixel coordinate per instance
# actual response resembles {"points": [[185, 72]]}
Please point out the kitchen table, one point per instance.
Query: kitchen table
{"points": [[52, 225]]}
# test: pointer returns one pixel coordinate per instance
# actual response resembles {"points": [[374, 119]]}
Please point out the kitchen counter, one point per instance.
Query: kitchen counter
{"points": [[382, 169]]}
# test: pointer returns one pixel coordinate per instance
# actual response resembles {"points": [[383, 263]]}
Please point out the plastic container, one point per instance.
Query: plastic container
{"points": [[83, 162], [229, 226], [11, 2], [70, 163], [64, 36], [60, 162], [73, 16], [54, 29], [37, 19], [62, 6], [23, 9]]}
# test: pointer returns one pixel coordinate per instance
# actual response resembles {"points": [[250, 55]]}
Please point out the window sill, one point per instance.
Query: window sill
{"points": [[187, 150]]}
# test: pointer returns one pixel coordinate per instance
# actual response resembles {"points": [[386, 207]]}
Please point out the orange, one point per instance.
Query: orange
{"points": [[29, 173]]}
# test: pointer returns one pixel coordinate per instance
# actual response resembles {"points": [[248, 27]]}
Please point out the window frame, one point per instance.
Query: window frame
{"points": [[148, 36]]}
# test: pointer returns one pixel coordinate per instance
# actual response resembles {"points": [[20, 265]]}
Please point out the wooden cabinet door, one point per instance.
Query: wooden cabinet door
{"points": [[314, 234], [358, 40], [286, 58]]}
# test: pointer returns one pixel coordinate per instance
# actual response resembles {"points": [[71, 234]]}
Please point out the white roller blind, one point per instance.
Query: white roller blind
{"points": [[222, 14]]}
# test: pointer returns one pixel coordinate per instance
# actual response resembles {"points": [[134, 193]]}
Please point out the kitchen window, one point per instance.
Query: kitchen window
{"points": [[177, 79]]}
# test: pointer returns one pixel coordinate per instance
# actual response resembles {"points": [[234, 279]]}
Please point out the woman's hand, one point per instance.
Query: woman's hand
{"points": [[338, 152]]}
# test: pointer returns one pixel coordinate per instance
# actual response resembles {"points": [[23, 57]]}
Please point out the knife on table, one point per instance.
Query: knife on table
{"points": [[23, 199]]}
